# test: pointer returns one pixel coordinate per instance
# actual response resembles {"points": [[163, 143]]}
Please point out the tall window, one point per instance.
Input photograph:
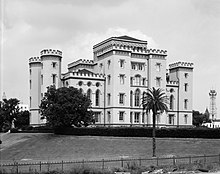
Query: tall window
{"points": [[30, 101], [121, 116], [171, 102], [131, 81], [185, 103], [137, 80], [186, 75], [109, 98], [121, 98], [54, 78], [171, 119], [158, 67], [131, 98], [80, 90], [30, 84], [186, 119], [42, 80], [54, 64], [144, 81], [109, 117], [89, 92], [133, 66], [97, 97], [109, 79], [109, 62], [136, 117], [97, 116], [137, 98], [186, 87], [140, 66], [158, 81], [143, 117], [122, 79], [131, 117], [122, 63]]}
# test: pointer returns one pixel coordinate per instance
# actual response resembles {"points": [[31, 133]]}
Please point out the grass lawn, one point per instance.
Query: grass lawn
{"points": [[44, 147]]}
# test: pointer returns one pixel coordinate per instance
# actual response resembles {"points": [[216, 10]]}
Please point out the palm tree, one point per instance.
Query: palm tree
{"points": [[154, 100]]}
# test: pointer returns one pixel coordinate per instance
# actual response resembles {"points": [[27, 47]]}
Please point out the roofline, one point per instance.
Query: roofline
{"points": [[116, 38]]}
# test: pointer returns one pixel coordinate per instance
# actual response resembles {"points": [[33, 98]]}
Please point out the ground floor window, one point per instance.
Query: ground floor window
{"points": [[131, 117], [97, 116], [109, 117], [171, 119], [121, 116], [143, 117], [186, 119], [136, 117]]}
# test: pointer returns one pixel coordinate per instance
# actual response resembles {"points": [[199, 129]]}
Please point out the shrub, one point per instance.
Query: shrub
{"points": [[142, 132]]}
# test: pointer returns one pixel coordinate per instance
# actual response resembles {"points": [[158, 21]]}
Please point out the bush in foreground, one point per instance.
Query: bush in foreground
{"points": [[141, 132]]}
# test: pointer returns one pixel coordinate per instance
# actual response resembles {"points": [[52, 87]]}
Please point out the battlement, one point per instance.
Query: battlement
{"points": [[50, 52], [156, 51], [173, 83], [83, 75], [35, 60], [181, 65], [81, 61]]}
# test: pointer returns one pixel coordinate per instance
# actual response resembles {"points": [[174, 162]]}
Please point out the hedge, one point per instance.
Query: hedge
{"points": [[141, 132]]}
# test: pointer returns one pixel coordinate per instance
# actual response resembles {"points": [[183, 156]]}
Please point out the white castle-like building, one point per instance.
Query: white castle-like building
{"points": [[121, 70]]}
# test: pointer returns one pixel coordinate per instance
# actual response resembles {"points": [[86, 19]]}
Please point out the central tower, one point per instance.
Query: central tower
{"points": [[213, 109]]}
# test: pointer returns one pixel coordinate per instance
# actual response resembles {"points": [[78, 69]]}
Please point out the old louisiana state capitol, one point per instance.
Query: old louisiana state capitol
{"points": [[121, 70]]}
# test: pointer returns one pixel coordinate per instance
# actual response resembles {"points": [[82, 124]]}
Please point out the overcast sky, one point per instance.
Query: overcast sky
{"points": [[188, 29]]}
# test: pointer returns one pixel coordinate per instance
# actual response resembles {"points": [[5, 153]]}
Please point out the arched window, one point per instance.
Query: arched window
{"points": [[97, 97], [171, 102], [81, 90], [137, 98], [137, 80], [89, 92], [131, 98]]}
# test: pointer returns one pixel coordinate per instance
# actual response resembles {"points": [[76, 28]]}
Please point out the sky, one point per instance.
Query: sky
{"points": [[189, 30]]}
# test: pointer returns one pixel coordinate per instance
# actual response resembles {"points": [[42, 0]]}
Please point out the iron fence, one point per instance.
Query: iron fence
{"points": [[42, 166]]}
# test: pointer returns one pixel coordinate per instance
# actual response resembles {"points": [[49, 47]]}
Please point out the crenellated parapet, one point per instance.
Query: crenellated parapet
{"points": [[157, 52], [51, 52], [81, 61], [83, 75], [181, 65], [127, 44], [172, 83], [34, 60]]}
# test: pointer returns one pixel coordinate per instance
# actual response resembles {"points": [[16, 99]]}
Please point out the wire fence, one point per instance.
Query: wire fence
{"points": [[18, 167]]}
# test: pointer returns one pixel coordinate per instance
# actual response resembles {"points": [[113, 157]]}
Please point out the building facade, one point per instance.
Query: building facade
{"points": [[121, 70]]}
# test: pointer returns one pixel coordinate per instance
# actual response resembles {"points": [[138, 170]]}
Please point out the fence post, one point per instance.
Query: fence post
{"points": [[48, 166], [103, 164], [17, 168], [62, 166], [157, 161], [40, 166], [83, 163], [174, 161], [122, 162], [219, 158], [190, 160], [140, 161], [204, 159]]}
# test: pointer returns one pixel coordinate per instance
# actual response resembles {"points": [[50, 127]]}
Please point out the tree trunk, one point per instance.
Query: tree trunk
{"points": [[154, 135]]}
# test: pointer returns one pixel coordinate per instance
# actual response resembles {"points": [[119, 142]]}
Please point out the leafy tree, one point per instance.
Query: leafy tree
{"points": [[22, 119], [66, 107], [154, 100], [199, 118], [8, 112]]}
